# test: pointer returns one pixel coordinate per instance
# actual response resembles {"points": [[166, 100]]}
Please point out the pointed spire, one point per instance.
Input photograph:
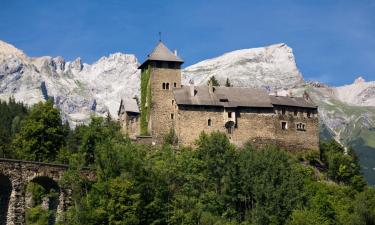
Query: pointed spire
{"points": [[162, 53]]}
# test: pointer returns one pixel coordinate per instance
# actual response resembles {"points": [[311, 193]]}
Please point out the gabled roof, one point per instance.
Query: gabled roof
{"points": [[292, 101], [161, 53], [230, 97], [128, 105], [223, 97]]}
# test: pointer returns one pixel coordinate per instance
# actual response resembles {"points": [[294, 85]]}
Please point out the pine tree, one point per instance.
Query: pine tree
{"points": [[213, 81], [227, 83]]}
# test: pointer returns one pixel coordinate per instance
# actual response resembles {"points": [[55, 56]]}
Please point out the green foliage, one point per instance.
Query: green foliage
{"points": [[41, 134], [269, 186], [342, 167], [213, 81], [307, 217], [11, 113], [145, 101], [37, 215], [170, 138]]}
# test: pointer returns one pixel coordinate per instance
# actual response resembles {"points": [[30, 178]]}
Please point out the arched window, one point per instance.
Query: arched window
{"points": [[301, 126], [174, 84], [209, 122], [163, 86], [167, 86]]}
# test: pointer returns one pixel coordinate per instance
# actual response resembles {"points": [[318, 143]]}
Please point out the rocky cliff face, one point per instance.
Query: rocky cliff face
{"points": [[78, 89], [272, 67]]}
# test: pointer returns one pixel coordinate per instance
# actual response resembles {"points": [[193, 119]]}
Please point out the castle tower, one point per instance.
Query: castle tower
{"points": [[161, 73]]}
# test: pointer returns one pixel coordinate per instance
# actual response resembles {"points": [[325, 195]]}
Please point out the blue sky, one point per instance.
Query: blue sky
{"points": [[333, 41]]}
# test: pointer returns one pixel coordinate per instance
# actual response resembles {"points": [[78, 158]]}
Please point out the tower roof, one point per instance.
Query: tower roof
{"points": [[162, 53]]}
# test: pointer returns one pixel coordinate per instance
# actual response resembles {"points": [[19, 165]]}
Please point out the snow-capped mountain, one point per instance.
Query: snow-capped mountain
{"points": [[271, 67], [78, 89], [360, 93]]}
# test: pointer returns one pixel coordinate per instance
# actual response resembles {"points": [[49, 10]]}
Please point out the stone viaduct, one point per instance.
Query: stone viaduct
{"points": [[15, 175]]}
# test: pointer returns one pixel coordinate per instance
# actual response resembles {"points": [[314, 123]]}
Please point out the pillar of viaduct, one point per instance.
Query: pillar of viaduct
{"points": [[15, 175]]}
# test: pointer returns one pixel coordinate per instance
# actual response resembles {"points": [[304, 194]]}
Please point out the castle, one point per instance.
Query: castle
{"points": [[243, 114]]}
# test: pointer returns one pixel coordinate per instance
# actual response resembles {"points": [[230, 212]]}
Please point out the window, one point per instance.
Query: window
{"points": [[229, 114], [167, 86], [171, 65], [284, 126], [172, 116], [209, 122], [172, 101], [301, 126], [295, 113], [283, 111], [174, 84], [308, 114], [163, 86]]}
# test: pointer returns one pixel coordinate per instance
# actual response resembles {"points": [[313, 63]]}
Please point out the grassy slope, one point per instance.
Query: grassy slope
{"points": [[357, 129]]}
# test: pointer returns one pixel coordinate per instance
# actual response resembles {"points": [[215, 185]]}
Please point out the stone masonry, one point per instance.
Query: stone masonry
{"points": [[16, 174]]}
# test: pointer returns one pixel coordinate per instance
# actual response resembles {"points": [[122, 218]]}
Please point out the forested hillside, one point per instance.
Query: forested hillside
{"points": [[213, 183]]}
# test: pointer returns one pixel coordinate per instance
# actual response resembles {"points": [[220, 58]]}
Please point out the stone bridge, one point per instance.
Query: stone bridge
{"points": [[15, 175]]}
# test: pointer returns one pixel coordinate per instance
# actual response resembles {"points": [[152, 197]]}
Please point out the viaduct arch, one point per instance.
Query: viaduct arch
{"points": [[15, 175]]}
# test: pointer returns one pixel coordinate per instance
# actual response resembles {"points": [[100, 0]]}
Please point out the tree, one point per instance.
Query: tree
{"points": [[213, 81], [307, 217], [269, 185], [227, 83], [41, 134]]}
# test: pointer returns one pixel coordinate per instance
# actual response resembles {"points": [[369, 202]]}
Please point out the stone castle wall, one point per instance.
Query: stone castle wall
{"points": [[162, 106], [259, 127], [130, 124], [294, 138]]}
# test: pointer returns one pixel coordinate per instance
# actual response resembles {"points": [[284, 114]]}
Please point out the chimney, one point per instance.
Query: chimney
{"points": [[192, 89], [175, 52]]}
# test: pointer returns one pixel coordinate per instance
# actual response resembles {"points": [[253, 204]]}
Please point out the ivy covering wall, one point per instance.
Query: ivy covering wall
{"points": [[145, 100]]}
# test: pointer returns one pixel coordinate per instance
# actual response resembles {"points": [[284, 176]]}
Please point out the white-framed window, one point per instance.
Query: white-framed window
{"points": [[284, 125]]}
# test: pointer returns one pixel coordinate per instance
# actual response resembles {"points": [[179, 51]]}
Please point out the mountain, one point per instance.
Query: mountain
{"points": [[78, 89], [272, 67], [347, 113]]}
